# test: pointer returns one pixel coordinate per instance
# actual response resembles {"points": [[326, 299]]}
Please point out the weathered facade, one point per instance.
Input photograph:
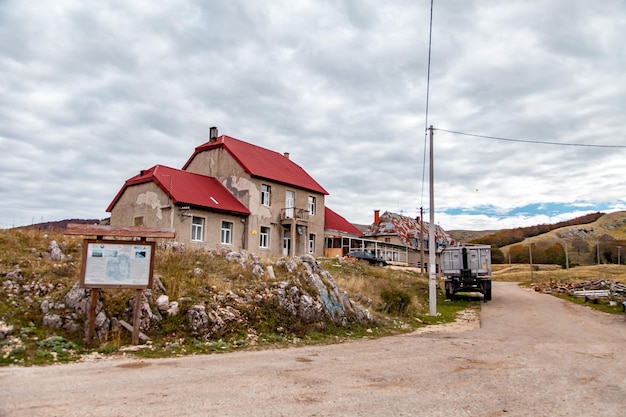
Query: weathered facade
{"points": [[229, 193]]}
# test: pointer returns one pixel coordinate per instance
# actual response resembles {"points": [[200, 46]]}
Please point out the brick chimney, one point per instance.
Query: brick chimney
{"points": [[376, 216]]}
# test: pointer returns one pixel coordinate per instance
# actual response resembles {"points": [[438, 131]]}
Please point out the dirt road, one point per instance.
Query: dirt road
{"points": [[533, 355]]}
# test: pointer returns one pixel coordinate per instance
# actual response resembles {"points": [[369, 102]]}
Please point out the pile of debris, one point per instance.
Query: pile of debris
{"points": [[590, 290]]}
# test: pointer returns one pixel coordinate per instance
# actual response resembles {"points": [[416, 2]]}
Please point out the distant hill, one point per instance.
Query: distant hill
{"points": [[601, 241], [61, 224], [580, 241], [506, 237], [468, 236]]}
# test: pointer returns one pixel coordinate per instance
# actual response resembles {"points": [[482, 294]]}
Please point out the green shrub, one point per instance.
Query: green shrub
{"points": [[395, 301]]}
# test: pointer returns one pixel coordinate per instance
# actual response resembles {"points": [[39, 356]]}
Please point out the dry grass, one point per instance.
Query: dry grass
{"points": [[197, 277], [546, 273]]}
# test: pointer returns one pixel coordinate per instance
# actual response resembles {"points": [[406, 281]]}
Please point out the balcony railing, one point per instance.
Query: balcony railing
{"points": [[294, 213]]}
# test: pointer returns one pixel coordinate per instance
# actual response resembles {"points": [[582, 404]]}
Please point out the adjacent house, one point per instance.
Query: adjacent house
{"points": [[412, 234], [338, 234], [229, 193]]}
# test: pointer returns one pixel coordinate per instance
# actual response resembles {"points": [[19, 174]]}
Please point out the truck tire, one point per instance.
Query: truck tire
{"points": [[487, 296], [449, 293]]}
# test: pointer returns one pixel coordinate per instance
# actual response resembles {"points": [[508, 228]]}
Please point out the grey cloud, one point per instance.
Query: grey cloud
{"points": [[115, 87]]}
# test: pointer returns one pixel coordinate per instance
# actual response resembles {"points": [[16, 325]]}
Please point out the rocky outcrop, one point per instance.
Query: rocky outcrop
{"points": [[297, 287]]}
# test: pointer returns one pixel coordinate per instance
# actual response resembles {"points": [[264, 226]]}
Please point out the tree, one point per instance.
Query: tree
{"points": [[579, 245], [519, 254], [497, 257]]}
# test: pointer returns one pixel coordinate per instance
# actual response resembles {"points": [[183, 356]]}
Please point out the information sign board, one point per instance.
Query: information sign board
{"points": [[117, 264]]}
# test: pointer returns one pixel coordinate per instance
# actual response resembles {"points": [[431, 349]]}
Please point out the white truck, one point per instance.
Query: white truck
{"points": [[467, 268]]}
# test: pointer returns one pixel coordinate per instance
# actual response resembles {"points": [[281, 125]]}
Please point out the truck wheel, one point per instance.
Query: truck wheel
{"points": [[449, 294], [487, 296]]}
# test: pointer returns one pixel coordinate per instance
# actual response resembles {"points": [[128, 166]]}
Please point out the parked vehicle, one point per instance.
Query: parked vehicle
{"points": [[367, 256], [467, 269]]}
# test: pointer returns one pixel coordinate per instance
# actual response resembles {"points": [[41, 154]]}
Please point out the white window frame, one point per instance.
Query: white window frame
{"points": [[197, 229], [290, 202], [312, 205], [226, 234], [311, 243], [264, 237], [266, 195]]}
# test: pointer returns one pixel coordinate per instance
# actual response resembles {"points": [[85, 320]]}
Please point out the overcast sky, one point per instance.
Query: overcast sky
{"points": [[92, 92]]}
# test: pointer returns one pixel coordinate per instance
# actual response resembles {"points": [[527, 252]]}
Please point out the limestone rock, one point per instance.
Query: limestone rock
{"points": [[198, 319], [55, 251], [15, 275], [5, 330]]}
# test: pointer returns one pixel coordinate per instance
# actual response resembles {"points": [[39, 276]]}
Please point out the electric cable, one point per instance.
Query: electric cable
{"points": [[430, 37], [541, 142]]}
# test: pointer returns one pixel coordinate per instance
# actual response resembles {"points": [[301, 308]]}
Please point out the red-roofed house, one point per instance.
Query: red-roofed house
{"points": [[338, 232], [166, 197], [229, 193], [336, 223]]}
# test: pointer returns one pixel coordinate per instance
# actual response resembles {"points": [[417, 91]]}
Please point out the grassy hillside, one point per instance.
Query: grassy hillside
{"points": [[555, 273], [34, 284], [584, 242], [506, 237]]}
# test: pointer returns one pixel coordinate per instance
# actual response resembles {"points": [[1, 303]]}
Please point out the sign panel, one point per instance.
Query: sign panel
{"points": [[119, 264]]}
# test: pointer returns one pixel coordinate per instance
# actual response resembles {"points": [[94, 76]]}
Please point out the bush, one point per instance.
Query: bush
{"points": [[395, 301]]}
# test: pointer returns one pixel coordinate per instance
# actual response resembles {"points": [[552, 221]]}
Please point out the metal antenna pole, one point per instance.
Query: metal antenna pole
{"points": [[432, 260]]}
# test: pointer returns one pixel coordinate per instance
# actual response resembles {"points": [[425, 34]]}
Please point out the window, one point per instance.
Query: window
{"points": [[227, 233], [264, 237], [265, 194], [311, 205], [311, 243], [290, 200], [197, 229]]}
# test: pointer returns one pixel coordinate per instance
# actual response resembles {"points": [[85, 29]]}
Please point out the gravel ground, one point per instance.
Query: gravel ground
{"points": [[530, 354]]}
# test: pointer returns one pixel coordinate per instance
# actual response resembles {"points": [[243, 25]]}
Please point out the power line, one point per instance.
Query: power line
{"points": [[430, 37], [542, 142]]}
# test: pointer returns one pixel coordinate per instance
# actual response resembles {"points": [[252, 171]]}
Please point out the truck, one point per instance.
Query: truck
{"points": [[467, 268]]}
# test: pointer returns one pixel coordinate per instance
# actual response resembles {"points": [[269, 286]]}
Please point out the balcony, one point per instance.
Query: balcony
{"points": [[294, 215]]}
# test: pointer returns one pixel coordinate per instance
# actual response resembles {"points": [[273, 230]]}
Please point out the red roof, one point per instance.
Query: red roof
{"points": [[187, 188], [333, 221], [262, 163]]}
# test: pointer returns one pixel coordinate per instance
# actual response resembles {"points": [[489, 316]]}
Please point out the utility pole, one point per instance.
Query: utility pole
{"points": [[421, 240], [530, 254], [566, 255], [432, 260]]}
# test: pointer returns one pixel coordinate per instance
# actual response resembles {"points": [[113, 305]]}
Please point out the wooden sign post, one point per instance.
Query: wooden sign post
{"points": [[111, 263]]}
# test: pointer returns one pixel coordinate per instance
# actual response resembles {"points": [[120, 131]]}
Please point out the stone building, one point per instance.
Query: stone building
{"points": [[229, 193]]}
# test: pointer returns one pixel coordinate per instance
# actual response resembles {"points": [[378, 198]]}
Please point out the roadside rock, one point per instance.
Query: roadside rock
{"points": [[5, 330]]}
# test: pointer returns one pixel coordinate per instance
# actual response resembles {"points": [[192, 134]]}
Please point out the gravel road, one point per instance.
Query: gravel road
{"points": [[532, 355]]}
